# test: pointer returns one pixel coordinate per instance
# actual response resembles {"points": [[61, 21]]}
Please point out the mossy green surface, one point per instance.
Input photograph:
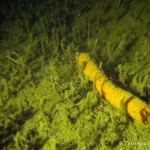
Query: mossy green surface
{"points": [[45, 101]]}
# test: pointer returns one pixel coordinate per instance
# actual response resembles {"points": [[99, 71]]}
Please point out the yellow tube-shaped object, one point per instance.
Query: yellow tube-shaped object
{"points": [[135, 107]]}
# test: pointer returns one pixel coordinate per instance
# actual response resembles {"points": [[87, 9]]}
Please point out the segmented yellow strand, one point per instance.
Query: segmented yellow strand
{"points": [[135, 107]]}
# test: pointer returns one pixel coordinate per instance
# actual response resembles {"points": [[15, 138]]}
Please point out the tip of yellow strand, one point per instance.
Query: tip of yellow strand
{"points": [[83, 58]]}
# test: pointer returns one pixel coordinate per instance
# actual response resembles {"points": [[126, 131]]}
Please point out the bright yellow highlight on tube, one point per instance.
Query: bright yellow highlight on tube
{"points": [[135, 107]]}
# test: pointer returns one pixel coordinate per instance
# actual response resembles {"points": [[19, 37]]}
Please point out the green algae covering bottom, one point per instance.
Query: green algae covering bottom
{"points": [[46, 102]]}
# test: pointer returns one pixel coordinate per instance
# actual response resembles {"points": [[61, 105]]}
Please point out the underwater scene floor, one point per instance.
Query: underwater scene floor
{"points": [[49, 101]]}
